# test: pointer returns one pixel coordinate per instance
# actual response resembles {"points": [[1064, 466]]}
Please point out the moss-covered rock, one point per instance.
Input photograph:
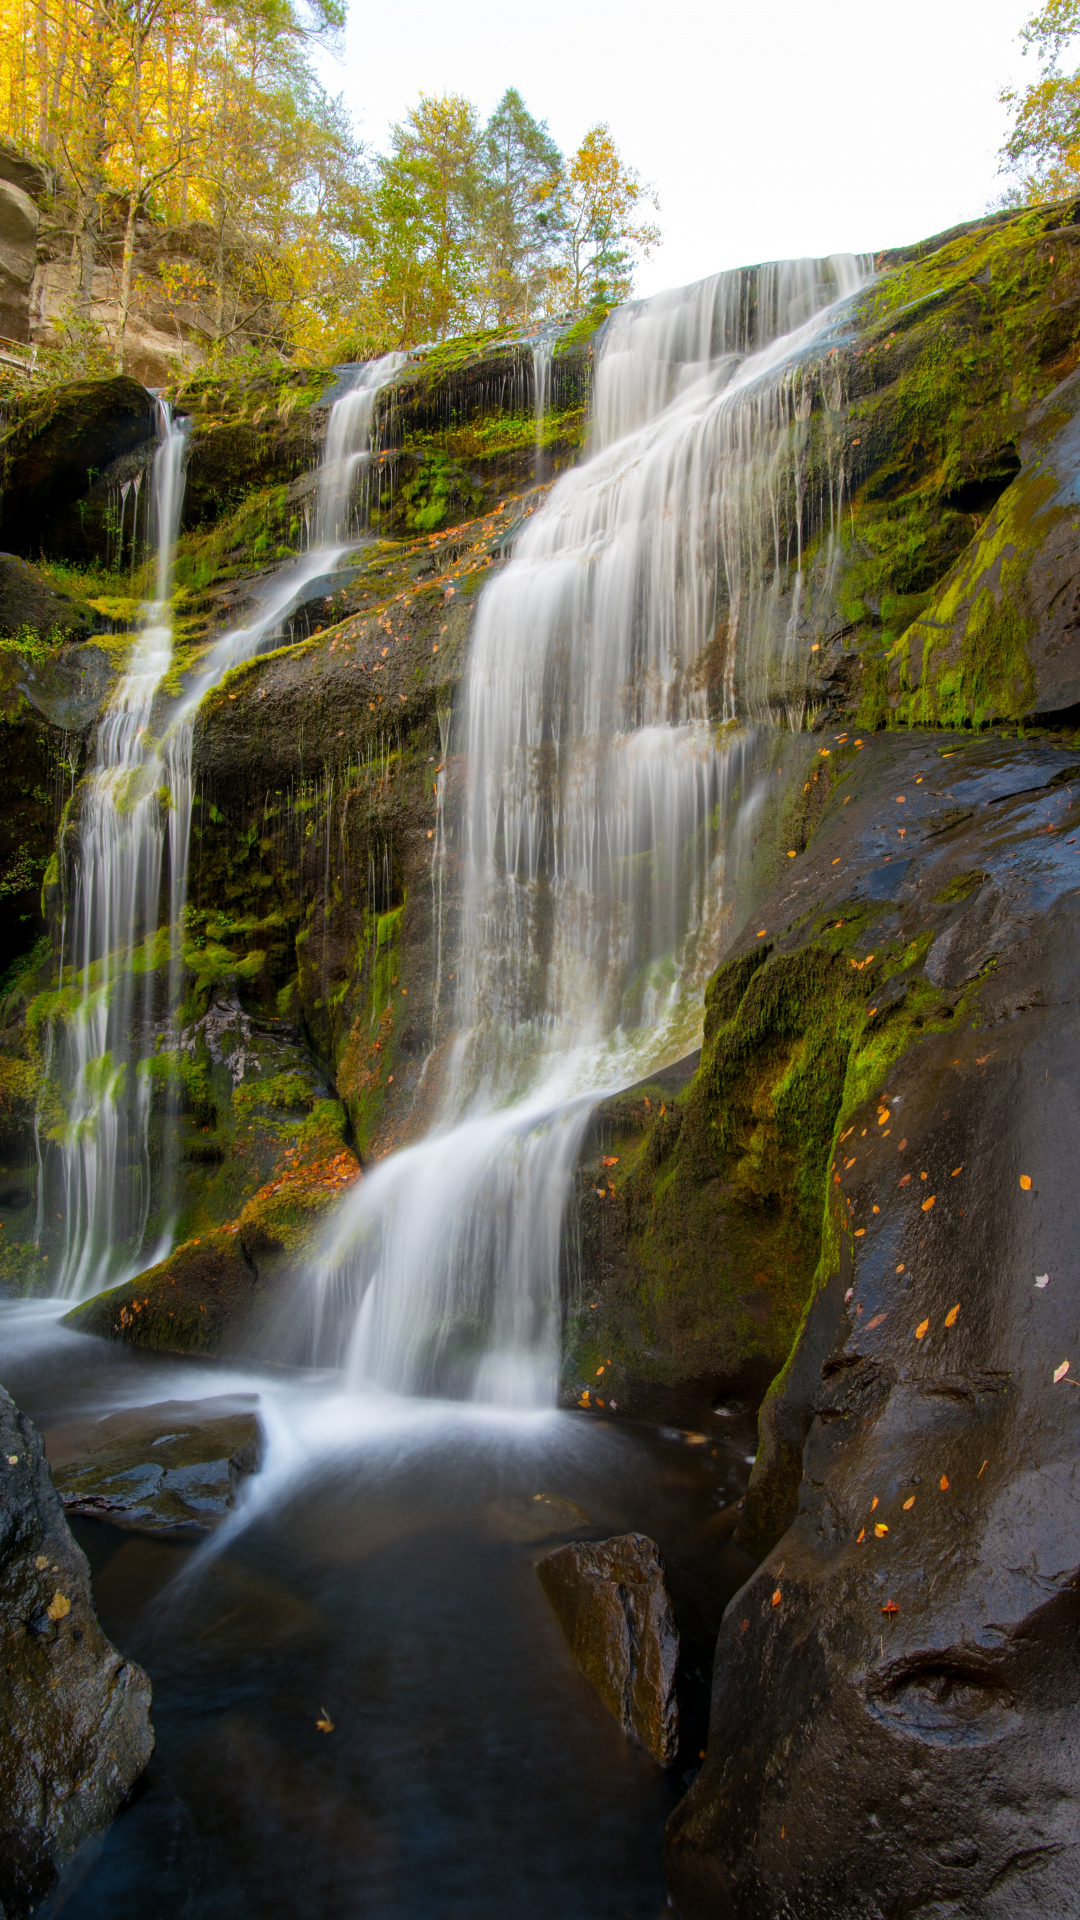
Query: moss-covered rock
{"points": [[51, 456]]}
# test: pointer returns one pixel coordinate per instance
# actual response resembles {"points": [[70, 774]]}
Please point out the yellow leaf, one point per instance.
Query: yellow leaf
{"points": [[908, 1504], [59, 1607], [325, 1725], [1025, 1182], [880, 1529]]}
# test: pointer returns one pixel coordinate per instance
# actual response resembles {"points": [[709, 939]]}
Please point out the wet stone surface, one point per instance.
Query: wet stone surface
{"points": [[611, 1601], [173, 1468]]}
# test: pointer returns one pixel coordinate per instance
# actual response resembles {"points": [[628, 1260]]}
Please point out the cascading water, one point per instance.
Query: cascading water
{"points": [[599, 794], [138, 796], [104, 982]]}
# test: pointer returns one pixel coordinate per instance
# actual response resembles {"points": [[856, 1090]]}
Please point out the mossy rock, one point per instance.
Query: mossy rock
{"points": [[52, 454]]}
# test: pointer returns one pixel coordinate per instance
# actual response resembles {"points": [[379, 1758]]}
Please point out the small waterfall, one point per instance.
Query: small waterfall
{"points": [[541, 366], [642, 606], [105, 981]]}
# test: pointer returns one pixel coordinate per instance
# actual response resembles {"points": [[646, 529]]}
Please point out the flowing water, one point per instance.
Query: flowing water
{"points": [[108, 935], [603, 806]]}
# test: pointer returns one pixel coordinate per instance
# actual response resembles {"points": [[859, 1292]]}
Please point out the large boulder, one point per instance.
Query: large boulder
{"points": [[75, 1728], [611, 1601], [896, 1708], [174, 1468], [28, 601], [52, 456]]}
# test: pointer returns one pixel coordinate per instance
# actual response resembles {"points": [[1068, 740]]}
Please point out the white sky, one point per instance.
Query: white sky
{"points": [[770, 128]]}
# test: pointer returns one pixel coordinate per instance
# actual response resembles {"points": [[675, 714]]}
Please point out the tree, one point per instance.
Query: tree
{"points": [[1043, 149], [522, 181], [602, 228], [423, 219]]}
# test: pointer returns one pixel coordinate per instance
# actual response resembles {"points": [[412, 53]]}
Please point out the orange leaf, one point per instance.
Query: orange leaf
{"points": [[861, 1538], [776, 1598], [921, 1329], [908, 1504], [943, 1483], [325, 1725], [928, 1202], [950, 1317], [880, 1529], [1025, 1182], [890, 1607], [873, 1503]]}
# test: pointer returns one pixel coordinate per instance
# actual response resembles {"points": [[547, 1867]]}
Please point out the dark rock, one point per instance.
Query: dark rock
{"points": [[611, 1601], [69, 687], [173, 1468], [27, 600], [18, 256], [879, 1697], [52, 455], [533, 1517], [74, 1715]]}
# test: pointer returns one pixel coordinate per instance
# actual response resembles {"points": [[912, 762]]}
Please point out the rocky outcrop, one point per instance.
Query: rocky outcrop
{"points": [[18, 257], [74, 1715], [611, 1601], [29, 604], [172, 1469], [902, 1657], [51, 457]]}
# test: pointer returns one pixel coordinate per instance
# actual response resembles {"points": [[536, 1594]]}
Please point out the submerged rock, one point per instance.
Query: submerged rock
{"points": [[75, 1728], [169, 1469], [896, 1704], [531, 1517], [611, 1601]]}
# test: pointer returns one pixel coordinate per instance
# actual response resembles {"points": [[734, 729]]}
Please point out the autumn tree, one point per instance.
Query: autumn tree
{"points": [[603, 228], [1043, 149]]}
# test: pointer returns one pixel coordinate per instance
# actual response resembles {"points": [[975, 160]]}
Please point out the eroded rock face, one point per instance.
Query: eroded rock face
{"points": [[168, 1469], [18, 256], [75, 1728], [896, 1709], [611, 1601]]}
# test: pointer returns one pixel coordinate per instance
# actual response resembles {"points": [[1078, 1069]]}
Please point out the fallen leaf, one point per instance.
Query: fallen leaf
{"points": [[873, 1503], [791, 853], [776, 1598], [903, 1180], [1060, 1372], [325, 1725], [900, 1268], [982, 1469], [908, 1504], [861, 1538], [921, 1329], [883, 1115], [1042, 1279], [943, 1483], [610, 1160], [59, 1607], [41, 1562], [928, 1202], [599, 1371], [950, 1317], [859, 1231], [880, 1529], [890, 1607], [1025, 1182], [957, 1170]]}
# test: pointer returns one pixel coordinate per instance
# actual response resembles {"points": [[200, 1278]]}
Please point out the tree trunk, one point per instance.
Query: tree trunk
{"points": [[125, 278]]}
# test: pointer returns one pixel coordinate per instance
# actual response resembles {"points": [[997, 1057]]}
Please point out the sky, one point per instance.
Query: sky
{"points": [[770, 128]]}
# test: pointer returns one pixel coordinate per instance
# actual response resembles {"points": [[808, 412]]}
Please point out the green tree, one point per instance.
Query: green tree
{"points": [[522, 180], [423, 222], [1043, 149]]}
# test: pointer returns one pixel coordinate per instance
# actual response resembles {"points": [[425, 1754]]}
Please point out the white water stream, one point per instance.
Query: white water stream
{"points": [[602, 802]]}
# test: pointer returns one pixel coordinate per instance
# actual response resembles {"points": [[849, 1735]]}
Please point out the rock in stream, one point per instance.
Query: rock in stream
{"points": [[611, 1601], [75, 1728], [171, 1469]]}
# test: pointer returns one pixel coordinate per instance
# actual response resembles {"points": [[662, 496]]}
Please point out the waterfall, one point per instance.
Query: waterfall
{"points": [[104, 996], [642, 606], [137, 801]]}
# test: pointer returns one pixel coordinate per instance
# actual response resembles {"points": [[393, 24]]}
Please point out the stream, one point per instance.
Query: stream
{"points": [[367, 1577]]}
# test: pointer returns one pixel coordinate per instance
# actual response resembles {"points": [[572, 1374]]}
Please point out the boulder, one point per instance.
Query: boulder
{"points": [[28, 601], [611, 1601], [69, 685], [18, 257], [170, 1469], [75, 1728], [895, 1718], [52, 455]]}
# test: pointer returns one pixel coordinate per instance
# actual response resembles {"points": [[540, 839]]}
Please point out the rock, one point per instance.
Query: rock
{"points": [[896, 1703], [173, 1468], [34, 178], [532, 1517], [52, 455], [70, 686], [27, 600], [611, 1601], [18, 257], [75, 1728]]}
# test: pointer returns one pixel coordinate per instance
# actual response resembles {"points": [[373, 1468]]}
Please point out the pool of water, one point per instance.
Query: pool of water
{"points": [[367, 1579]]}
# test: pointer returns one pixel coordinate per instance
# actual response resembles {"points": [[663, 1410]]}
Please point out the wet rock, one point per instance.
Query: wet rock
{"points": [[75, 1729], [611, 1601], [169, 1469], [530, 1518], [896, 1706], [53, 454], [27, 600], [69, 687]]}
